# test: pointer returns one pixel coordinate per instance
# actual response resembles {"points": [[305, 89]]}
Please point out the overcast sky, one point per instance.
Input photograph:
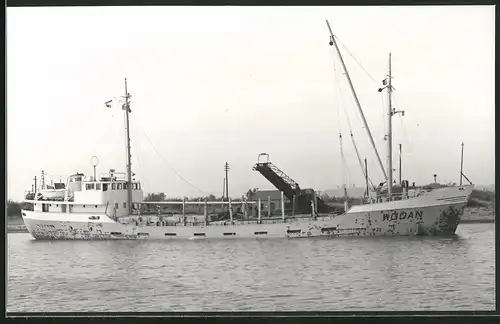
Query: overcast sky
{"points": [[217, 84]]}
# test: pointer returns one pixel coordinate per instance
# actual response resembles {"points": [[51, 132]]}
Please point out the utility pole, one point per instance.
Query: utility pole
{"points": [[226, 168], [35, 184], [462, 164]]}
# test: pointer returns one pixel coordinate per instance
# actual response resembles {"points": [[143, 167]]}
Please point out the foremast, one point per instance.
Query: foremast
{"points": [[126, 108], [129, 156]]}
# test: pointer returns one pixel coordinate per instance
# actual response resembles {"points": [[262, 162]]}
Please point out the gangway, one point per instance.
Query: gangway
{"points": [[289, 187], [278, 178]]}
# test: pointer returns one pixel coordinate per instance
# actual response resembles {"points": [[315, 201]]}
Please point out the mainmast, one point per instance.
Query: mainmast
{"points": [[333, 42], [129, 156], [390, 112], [389, 132]]}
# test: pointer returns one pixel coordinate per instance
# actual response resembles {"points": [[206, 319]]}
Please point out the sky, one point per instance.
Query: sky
{"points": [[214, 84]]}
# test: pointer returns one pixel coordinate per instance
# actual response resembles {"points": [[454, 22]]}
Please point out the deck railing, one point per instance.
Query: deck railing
{"points": [[394, 197]]}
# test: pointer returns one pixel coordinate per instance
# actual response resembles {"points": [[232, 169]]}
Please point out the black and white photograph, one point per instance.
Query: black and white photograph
{"points": [[250, 159]]}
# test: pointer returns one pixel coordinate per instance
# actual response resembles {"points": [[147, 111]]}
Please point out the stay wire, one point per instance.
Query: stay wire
{"points": [[171, 168], [350, 131], [343, 167], [360, 65], [138, 125]]}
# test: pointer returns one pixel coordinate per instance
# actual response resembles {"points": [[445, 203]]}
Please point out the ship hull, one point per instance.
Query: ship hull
{"points": [[432, 214]]}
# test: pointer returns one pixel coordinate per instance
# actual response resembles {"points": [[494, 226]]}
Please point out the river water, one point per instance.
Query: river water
{"points": [[343, 274]]}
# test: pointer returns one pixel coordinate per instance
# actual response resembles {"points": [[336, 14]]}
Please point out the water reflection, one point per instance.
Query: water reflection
{"points": [[381, 273]]}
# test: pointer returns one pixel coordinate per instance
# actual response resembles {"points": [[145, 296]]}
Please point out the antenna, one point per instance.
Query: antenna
{"points": [[226, 168]]}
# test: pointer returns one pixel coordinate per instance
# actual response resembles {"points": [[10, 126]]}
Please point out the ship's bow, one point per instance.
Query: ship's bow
{"points": [[451, 202]]}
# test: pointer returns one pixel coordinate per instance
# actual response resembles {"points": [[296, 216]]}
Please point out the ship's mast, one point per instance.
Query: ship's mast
{"points": [[389, 132], [390, 112], [129, 157], [333, 42]]}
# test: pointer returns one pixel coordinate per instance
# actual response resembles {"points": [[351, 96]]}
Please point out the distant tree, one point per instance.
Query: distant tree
{"points": [[160, 196], [13, 208]]}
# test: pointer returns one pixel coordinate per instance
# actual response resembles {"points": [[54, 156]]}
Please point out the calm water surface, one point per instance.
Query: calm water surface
{"points": [[255, 275]]}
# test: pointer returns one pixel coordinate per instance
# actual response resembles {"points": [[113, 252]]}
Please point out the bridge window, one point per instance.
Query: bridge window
{"points": [[104, 187], [124, 205], [113, 186], [97, 186], [125, 185], [116, 205], [89, 186], [120, 186]]}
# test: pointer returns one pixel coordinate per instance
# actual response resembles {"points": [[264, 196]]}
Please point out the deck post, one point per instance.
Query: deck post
{"points": [[268, 206], [230, 211], [205, 212], [282, 206], [258, 213], [315, 203], [184, 211], [245, 212], [293, 205]]}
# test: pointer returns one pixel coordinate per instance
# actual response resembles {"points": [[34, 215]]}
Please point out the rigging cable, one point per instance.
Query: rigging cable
{"points": [[406, 138], [361, 66], [352, 136], [137, 154], [139, 122], [372, 78], [403, 127], [171, 168], [344, 169]]}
